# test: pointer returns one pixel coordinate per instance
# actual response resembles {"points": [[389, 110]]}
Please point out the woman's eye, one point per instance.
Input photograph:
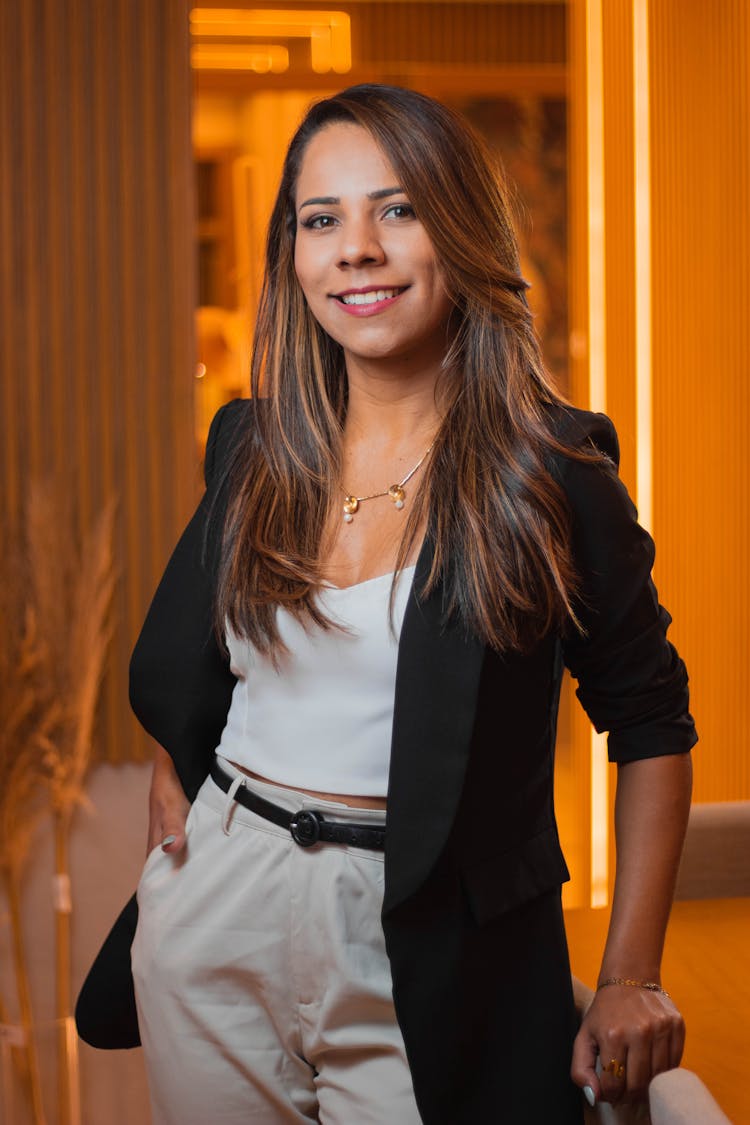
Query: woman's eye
{"points": [[400, 211], [318, 222]]}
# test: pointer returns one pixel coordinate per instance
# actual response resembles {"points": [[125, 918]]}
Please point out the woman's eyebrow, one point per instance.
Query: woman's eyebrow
{"points": [[332, 200], [383, 193]]}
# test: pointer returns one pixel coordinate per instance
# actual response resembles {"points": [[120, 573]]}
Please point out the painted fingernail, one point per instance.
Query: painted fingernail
{"points": [[589, 1095], [167, 841]]}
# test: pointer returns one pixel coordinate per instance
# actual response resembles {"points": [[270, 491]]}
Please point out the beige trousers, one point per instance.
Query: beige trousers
{"points": [[262, 982]]}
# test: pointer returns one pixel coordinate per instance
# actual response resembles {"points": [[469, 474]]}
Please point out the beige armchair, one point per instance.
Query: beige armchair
{"points": [[716, 856], [678, 1097]]}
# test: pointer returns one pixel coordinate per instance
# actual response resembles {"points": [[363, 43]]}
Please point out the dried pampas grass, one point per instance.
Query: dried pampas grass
{"points": [[26, 722], [71, 584], [56, 627]]}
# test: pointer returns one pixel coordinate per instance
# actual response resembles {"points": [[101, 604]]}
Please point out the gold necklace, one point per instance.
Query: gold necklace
{"points": [[396, 491]]}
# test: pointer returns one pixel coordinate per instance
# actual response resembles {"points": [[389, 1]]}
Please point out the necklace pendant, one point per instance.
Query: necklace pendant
{"points": [[397, 495], [395, 492]]}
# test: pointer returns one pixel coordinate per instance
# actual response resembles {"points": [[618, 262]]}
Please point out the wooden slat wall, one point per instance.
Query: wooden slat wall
{"points": [[573, 767], [700, 60], [617, 34], [700, 223], [620, 266], [475, 34], [97, 284]]}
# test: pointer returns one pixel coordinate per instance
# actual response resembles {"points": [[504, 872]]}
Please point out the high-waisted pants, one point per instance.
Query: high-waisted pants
{"points": [[262, 982]]}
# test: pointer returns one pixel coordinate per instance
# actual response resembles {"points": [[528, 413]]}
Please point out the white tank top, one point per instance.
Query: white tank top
{"points": [[322, 719]]}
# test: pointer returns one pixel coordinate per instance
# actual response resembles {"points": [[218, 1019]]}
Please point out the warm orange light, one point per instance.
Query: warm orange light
{"points": [[597, 321], [643, 326], [329, 32], [262, 58]]}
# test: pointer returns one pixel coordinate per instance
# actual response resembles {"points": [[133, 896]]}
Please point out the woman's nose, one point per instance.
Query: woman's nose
{"points": [[360, 245]]}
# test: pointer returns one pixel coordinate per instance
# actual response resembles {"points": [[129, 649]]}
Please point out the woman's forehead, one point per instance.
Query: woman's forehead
{"points": [[343, 159]]}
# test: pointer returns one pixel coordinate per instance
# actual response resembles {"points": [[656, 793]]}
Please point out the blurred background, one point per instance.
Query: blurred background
{"points": [[140, 146]]}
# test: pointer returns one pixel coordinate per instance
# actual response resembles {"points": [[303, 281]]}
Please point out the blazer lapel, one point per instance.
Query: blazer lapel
{"points": [[437, 682]]}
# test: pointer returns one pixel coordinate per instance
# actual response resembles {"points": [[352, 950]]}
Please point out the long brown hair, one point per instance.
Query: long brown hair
{"points": [[498, 519]]}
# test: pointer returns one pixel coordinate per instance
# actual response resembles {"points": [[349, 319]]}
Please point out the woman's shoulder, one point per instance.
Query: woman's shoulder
{"points": [[582, 429], [228, 426]]}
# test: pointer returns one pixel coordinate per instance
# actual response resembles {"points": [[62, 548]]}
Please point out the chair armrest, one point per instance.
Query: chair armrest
{"points": [[678, 1097]]}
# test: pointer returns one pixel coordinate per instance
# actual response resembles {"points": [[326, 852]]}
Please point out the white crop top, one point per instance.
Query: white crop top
{"points": [[322, 720]]}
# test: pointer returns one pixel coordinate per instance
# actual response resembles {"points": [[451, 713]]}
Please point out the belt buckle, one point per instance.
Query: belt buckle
{"points": [[305, 827]]}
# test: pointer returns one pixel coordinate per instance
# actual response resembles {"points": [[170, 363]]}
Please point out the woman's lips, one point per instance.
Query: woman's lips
{"points": [[367, 302]]}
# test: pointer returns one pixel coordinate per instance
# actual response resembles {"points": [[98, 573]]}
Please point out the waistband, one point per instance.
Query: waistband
{"points": [[311, 822]]}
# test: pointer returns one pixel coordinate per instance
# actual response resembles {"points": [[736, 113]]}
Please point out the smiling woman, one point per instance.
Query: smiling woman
{"points": [[359, 914]]}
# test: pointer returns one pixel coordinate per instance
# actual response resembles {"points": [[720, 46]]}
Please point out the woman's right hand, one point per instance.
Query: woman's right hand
{"points": [[167, 806]]}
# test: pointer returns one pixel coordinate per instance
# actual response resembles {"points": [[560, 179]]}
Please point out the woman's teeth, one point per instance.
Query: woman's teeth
{"points": [[369, 298]]}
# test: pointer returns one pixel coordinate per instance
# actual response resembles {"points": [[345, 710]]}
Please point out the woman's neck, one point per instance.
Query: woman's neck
{"points": [[390, 411]]}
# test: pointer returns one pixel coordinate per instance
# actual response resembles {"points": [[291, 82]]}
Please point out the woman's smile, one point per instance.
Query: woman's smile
{"points": [[369, 302]]}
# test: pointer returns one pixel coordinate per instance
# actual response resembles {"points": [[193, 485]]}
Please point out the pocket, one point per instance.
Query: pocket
{"points": [[501, 882], [152, 859], [157, 854]]}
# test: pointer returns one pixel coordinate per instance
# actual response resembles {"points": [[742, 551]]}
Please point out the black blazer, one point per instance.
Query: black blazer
{"points": [[473, 865]]}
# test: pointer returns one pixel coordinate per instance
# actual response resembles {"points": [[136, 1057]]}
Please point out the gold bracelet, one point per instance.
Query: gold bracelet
{"points": [[649, 985]]}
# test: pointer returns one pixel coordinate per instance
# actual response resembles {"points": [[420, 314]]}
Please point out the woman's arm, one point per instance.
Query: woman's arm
{"points": [[180, 681], [641, 1029], [632, 684]]}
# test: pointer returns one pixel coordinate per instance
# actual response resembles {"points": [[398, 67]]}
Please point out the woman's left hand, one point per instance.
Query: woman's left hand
{"points": [[631, 1028]]}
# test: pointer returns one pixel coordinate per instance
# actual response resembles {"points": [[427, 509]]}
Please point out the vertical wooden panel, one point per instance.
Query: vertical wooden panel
{"points": [[620, 266], [701, 296], [96, 283], [619, 180], [573, 767], [700, 222], [467, 32]]}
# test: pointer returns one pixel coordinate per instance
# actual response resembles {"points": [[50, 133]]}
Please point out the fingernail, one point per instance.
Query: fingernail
{"points": [[589, 1095], [167, 841]]}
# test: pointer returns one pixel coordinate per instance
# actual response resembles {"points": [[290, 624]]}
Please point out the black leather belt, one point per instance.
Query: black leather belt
{"points": [[308, 826]]}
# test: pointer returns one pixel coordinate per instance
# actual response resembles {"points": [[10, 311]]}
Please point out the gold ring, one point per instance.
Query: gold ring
{"points": [[615, 1068]]}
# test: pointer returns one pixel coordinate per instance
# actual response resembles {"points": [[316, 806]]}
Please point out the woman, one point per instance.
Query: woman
{"points": [[396, 647]]}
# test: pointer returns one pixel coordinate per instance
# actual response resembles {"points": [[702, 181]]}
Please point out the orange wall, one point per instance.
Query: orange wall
{"points": [[701, 314], [700, 277], [698, 194], [96, 286]]}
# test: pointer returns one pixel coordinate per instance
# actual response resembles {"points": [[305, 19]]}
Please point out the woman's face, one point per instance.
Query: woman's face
{"points": [[368, 270]]}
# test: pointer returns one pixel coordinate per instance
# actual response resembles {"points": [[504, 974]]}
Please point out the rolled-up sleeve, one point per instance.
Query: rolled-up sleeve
{"points": [[631, 681]]}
